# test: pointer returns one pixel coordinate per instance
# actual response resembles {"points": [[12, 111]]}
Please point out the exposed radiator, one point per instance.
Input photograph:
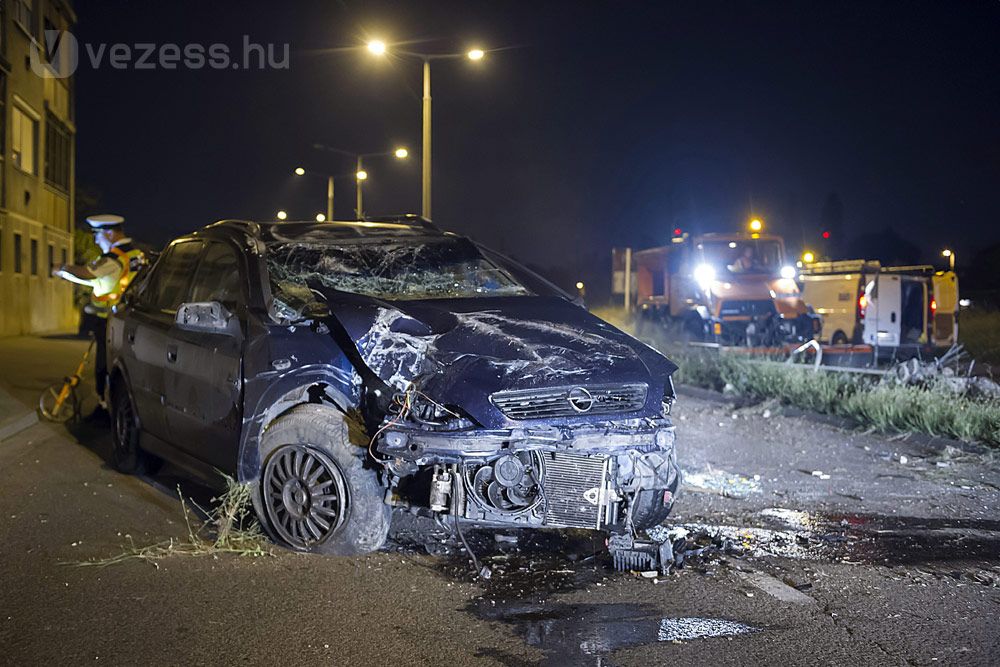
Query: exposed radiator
{"points": [[575, 490]]}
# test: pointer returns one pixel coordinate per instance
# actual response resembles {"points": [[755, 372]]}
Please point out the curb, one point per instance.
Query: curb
{"points": [[14, 417]]}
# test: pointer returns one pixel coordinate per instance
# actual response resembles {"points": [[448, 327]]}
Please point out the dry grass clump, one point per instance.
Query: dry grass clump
{"points": [[231, 527]]}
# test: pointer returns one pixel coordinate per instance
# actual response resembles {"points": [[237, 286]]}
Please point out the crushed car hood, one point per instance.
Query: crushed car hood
{"points": [[461, 351]]}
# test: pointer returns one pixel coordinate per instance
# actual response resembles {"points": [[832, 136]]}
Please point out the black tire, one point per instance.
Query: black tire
{"points": [[839, 338], [315, 491], [694, 329], [126, 455]]}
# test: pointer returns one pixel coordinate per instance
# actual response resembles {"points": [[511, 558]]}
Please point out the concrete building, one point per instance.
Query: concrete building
{"points": [[37, 149]]}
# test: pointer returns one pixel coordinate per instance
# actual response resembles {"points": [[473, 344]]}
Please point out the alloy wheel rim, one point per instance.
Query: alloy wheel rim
{"points": [[304, 494]]}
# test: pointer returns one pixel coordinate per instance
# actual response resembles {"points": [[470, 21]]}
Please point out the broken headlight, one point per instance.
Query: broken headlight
{"points": [[425, 411]]}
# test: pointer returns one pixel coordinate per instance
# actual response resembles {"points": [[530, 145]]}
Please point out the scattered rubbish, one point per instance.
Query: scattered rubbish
{"points": [[820, 474], [903, 460], [682, 629], [774, 588], [949, 373], [725, 484]]}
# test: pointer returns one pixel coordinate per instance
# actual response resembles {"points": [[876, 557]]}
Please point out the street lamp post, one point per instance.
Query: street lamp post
{"points": [[379, 48], [950, 254], [359, 175]]}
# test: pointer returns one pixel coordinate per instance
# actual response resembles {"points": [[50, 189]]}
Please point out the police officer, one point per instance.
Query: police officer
{"points": [[107, 276]]}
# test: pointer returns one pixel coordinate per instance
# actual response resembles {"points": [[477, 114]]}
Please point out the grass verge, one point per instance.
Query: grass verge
{"points": [[931, 408], [231, 527]]}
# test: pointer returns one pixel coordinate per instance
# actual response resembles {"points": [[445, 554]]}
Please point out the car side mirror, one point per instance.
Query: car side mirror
{"points": [[207, 316]]}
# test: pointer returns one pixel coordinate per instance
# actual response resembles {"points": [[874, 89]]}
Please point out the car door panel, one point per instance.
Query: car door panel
{"points": [[204, 386], [203, 377]]}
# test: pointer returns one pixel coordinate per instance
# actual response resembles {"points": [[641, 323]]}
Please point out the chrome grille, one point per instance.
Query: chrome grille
{"points": [[555, 401], [574, 490]]}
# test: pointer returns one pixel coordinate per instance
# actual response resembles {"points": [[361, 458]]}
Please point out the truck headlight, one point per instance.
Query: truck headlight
{"points": [[788, 272], [704, 275]]}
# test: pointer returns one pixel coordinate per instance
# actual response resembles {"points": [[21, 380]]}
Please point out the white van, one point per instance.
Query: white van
{"points": [[910, 308]]}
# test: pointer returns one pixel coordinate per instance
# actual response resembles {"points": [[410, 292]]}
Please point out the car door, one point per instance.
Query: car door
{"points": [[882, 314], [945, 310], [148, 329], [204, 378]]}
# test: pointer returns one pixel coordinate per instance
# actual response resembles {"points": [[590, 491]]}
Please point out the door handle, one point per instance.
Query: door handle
{"points": [[130, 335], [893, 318], [171, 353]]}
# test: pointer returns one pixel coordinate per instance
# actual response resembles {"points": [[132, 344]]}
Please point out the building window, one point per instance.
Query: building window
{"points": [[64, 258], [52, 259], [34, 257], [22, 14], [17, 253], [23, 140], [58, 148]]}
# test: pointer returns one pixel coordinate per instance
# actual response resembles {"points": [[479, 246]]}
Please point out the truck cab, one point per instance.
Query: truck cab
{"points": [[735, 289]]}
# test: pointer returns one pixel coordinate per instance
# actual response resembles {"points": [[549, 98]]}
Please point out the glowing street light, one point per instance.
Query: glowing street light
{"points": [[950, 254], [300, 171], [281, 215], [320, 217], [400, 153], [808, 257], [379, 48]]}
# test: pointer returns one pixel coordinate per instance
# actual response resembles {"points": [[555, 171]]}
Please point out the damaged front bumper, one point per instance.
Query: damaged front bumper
{"points": [[594, 476]]}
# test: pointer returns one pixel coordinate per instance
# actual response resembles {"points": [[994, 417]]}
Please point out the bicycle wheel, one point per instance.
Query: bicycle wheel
{"points": [[52, 409]]}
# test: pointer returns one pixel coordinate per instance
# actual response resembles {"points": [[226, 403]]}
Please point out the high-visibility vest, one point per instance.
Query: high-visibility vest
{"points": [[108, 290]]}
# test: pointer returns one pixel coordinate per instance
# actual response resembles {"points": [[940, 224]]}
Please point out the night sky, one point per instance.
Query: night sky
{"points": [[594, 124]]}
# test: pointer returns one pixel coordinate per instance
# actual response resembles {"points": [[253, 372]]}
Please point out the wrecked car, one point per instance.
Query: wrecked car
{"points": [[348, 369]]}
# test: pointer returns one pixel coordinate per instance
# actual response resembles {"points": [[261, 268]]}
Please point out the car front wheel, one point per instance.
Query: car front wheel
{"points": [[315, 492]]}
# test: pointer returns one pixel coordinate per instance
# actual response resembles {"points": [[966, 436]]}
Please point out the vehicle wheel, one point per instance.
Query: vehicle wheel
{"points": [[694, 328], [126, 456], [839, 338], [315, 493], [54, 411], [650, 509]]}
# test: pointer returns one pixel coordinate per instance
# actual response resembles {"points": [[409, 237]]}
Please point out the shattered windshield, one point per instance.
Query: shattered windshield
{"points": [[391, 269], [742, 256]]}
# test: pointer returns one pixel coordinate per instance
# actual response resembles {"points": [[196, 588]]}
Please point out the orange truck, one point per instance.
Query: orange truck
{"points": [[732, 289]]}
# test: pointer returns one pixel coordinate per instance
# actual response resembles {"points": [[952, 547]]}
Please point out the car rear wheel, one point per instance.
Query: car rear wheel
{"points": [[315, 492], [126, 456]]}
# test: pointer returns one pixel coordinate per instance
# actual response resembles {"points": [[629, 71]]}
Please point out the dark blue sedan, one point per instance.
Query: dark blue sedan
{"points": [[347, 369]]}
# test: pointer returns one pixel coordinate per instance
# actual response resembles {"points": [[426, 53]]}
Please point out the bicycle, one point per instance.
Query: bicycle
{"points": [[59, 402]]}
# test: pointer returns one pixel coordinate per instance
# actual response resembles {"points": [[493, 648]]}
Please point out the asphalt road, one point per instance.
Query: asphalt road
{"points": [[846, 548]]}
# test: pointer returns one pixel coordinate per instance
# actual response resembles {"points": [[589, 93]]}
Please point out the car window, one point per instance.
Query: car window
{"points": [[396, 269], [168, 286], [218, 277]]}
